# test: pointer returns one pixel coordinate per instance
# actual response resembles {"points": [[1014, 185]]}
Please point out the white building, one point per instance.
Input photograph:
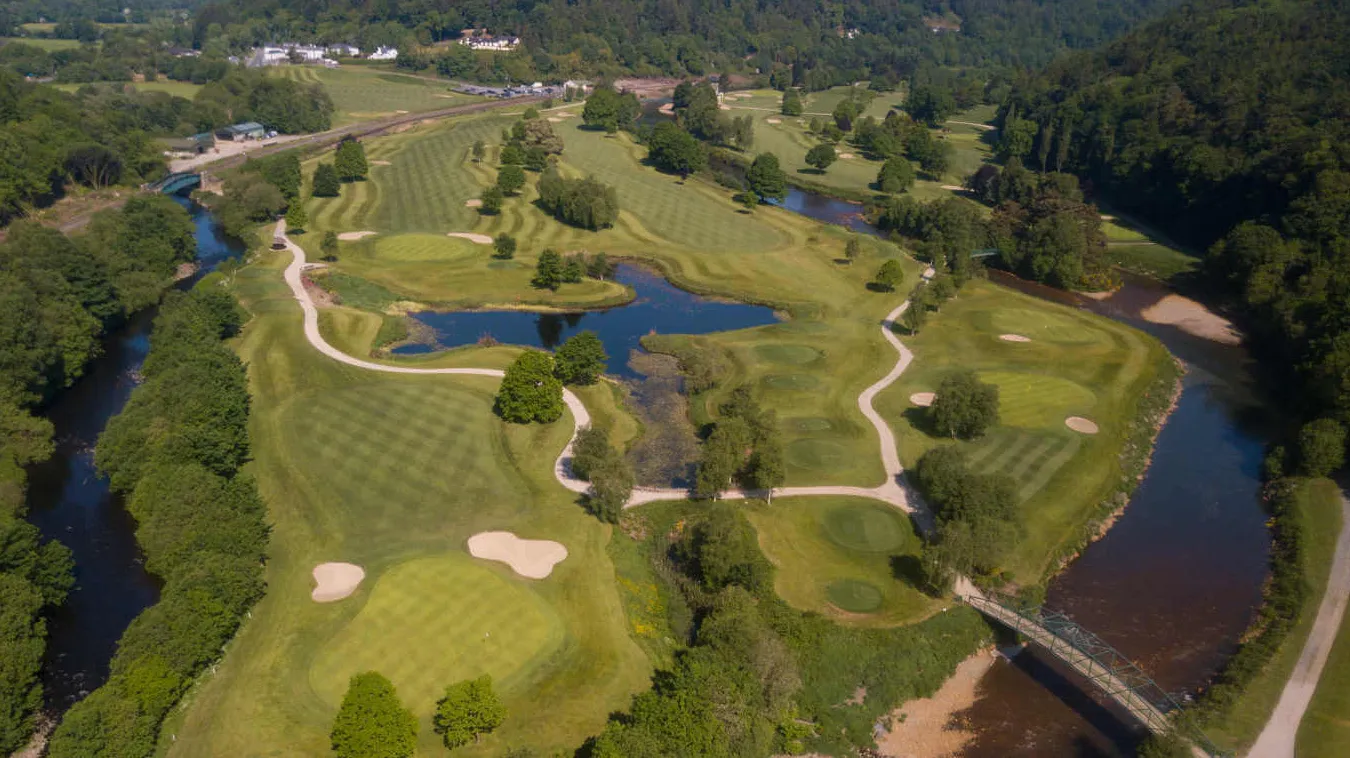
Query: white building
{"points": [[351, 51], [383, 53], [276, 55], [480, 41]]}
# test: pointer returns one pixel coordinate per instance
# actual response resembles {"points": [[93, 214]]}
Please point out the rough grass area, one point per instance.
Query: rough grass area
{"points": [[43, 43], [1076, 364], [363, 94], [853, 560], [1323, 733], [178, 89], [394, 473]]}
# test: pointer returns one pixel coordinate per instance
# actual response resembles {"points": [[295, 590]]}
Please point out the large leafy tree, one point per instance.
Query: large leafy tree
{"points": [[529, 390], [673, 149], [371, 722], [350, 160], [326, 181], [581, 359], [609, 110], [964, 406], [468, 710], [766, 177], [821, 156]]}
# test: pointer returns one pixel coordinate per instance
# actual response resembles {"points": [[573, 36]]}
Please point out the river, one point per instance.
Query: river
{"points": [[70, 502], [1177, 579]]}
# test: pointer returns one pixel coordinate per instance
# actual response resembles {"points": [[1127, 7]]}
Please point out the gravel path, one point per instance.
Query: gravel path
{"points": [[1277, 738]]}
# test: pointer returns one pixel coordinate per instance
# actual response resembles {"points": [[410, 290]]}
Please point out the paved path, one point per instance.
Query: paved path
{"points": [[1277, 738], [890, 491]]}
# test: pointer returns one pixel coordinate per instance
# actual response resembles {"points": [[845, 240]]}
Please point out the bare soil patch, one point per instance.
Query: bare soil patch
{"points": [[926, 728], [1193, 318], [922, 399], [1081, 425], [334, 581], [481, 239], [533, 559], [353, 236], [1014, 338]]}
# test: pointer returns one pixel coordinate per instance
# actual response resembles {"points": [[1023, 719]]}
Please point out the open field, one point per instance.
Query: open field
{"points": [[178, 89], [43, 43], [844, 557], [1076, 364], [394, 473], [363, 94]]}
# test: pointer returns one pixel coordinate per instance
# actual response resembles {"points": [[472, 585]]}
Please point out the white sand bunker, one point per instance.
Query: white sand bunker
{"points": [[353, 236], [1014, 338], [668, 109], [922, 399], [481, 239], [383, 163], [953, 188], [335, 581], [847, 156], [529, 558], [1081, 425], [555, 119], [725, 107], [474, 203], [1193, 318], [773, 120]]}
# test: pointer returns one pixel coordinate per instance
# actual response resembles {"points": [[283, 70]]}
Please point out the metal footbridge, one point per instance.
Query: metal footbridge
{"points": [[175, 183], [1106, 668]]}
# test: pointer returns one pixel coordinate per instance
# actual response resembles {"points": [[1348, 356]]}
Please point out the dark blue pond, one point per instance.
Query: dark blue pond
{"points": [[658, 308]]}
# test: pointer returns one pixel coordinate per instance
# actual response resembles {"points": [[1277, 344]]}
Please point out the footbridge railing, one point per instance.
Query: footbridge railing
{"points": [[176, 182], [1096, 660]]}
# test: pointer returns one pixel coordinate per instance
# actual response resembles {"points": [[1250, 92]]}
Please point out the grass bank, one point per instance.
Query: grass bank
{"points": [[366, 94]]}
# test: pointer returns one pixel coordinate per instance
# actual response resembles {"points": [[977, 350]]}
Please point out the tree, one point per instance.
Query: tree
{"points": [[329, 246], [844, 113], [792, 102], [765, 469], [766, 178], [531, 113], [350, 160], [548, 273], [609, 110], [930, 104], [581, 359], [529, 391], [510, 179], [1321, 447], [590, 451], [371, 722], [896, 175], [512, 155], [504, 246], [296, 218], [748, 201], [611, 485], [479, 150], [673, 149], [326, 181], [821, 156], [723, 550], [914, 317], [852, 249], [722, 456], [490, 202], [468, 710], [539, 133], [889, 276], [964, 406]]}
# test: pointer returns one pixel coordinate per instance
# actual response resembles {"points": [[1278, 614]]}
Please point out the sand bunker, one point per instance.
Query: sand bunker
{"points": [[335, 581], [381, 163], [725, 107], [1014, 338], [954, 187], [481, 239], [1081, 425], [1193, 318], [353, 236], [529, 558], [668, 109], [555, 119], [846, 156], [474, 203], [922, 399], [773, 120]]}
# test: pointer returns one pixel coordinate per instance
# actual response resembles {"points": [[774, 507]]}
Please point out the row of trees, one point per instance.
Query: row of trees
{"points": [[587, 203], [373, 723], [175, 451], [744, 447], [975, 513], [531, 390]]}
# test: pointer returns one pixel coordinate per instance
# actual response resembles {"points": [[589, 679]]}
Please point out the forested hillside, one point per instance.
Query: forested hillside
{"points": [[823, 43], [1225, 123]]}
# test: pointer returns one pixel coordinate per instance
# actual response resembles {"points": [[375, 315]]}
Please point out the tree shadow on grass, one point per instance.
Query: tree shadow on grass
{"points": [[909, 569], [921, 419]]}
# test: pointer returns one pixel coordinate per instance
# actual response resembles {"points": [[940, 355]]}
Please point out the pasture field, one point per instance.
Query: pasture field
{"points": [[850, 559], [363, 94], [178, 89], [394, 473], [1076, 364], [43, 43]]}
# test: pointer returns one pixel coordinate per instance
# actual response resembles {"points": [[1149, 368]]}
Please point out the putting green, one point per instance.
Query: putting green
{"points": [[433, 621], [816, 453], [424, 247], [791, 382], [1037, 400], [854, 595], [810, 424], [792, 354], [1045, 325], [866, 529]]}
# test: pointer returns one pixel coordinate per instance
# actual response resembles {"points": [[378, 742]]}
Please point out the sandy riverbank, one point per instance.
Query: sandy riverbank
{"points": [[924, 728]]}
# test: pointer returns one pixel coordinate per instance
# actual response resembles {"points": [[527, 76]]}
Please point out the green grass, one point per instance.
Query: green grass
{"points": [[848, 558], [1076, 364], [394, 473], [1152, 259], [178, 89], [43, 43], [364, 94], [1323, 732]]}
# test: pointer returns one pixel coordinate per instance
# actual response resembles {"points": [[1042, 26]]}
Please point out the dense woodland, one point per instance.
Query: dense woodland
{"points": [[1226, 124], [58, 297]]}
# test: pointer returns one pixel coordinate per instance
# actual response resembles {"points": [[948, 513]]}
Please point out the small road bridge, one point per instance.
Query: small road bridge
{"points": [[1101, 664], [175, 183]]}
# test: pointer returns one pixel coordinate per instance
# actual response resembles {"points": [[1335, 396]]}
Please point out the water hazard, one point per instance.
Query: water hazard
{"points": [[658, 307], [70, 502]]}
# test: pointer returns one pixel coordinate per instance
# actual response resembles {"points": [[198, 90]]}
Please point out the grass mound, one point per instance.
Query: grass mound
{"points": [[865, 529], [498, 626], [792, 354], [854, 596]]}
